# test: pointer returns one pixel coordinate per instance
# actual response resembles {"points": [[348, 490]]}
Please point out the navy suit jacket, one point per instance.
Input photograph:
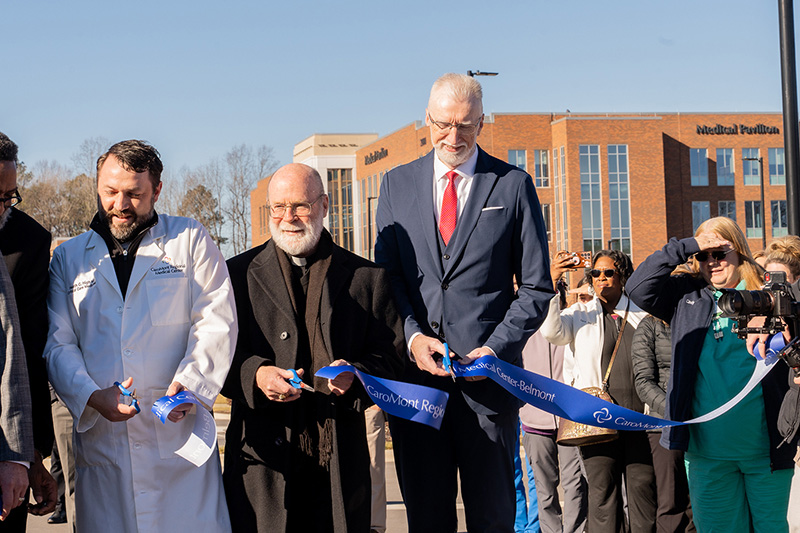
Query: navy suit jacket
{"points": [[464, 293]]}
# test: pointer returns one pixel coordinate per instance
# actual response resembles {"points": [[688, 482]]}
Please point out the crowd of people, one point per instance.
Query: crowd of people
{"points": [[143, 306]]}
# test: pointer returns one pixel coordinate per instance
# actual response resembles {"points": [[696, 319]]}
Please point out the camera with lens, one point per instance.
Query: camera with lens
{"points": [[777, 302]]}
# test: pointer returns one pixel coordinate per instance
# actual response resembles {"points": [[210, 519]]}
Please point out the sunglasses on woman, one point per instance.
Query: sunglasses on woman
{"points": [[718, 255], [608, 272]]}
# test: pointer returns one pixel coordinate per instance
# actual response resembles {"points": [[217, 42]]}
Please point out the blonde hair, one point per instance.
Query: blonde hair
{"points": [[785, 251], [748, 270]]}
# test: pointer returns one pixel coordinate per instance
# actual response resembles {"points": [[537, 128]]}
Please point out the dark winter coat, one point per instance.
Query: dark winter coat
{"points": [[687, 304], [651, 354], [360, 324]]}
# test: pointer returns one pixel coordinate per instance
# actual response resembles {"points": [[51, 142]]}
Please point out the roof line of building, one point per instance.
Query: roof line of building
{"points": [[334, 133], [639, 113]]}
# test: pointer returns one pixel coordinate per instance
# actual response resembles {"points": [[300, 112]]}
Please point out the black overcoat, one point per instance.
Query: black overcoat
{"points": [[360, 324]]}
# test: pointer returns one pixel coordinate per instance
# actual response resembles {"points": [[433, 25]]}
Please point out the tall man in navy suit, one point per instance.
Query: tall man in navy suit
{"points": [[456, 229]]}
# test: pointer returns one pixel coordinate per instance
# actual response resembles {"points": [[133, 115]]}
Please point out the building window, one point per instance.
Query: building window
{"points": [[777, 166], [751, 168], [725, 168], [619, 195], [546, 216], [727, 208], [780, 226], [541, 172], [564, 225], [340, 208], [557, 197], [369, 204], [518, 158], [701, 211], [754, 226], [591, 202], [698, 162]]}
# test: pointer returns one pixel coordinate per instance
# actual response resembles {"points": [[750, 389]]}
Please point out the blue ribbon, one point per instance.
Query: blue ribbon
{"points": [[203, 440], [164, 405], [405, 400], [568, 402]]}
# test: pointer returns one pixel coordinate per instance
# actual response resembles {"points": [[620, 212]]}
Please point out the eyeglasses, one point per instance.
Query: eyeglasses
{"points": [[11, 201], [719, 255], [607, 272], [301, 209], [128, 397], [445, 127]]}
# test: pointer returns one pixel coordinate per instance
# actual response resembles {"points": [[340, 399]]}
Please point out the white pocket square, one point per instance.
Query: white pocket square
{"points": [[492, 208]]}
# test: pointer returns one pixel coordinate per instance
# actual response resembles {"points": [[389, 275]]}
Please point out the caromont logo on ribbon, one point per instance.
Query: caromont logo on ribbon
{"points": [[203, 439], [405, 400], [567, 402]]}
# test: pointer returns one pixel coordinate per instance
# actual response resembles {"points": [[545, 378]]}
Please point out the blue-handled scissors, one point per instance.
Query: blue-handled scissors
{"points": [[448, 363], [298, 383], [129, 394]]}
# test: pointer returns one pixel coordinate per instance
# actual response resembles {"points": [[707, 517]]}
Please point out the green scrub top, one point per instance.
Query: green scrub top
{"points": [[724, 368]]}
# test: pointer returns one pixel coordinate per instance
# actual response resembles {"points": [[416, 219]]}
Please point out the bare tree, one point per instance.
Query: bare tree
{"points": [[199, 203], [24, 176], [80, 194], [85, 159], [61, 203], [244, 168], [210, 176]]}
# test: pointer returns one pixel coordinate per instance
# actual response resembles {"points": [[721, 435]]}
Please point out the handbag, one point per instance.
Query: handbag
{"points": [[576, 434]]}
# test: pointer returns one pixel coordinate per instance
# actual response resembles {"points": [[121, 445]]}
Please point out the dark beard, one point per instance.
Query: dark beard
{"points": [[128, 231]]}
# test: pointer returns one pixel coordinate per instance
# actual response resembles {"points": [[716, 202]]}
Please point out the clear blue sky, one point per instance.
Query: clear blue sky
{"points": [[196, 77]]}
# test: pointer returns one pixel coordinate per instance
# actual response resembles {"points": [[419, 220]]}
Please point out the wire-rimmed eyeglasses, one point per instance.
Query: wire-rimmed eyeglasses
{"points": [[301, 209], [445, 127]]}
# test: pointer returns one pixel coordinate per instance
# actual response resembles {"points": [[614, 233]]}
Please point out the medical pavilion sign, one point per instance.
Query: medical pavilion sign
{"points": [[736, 129]]}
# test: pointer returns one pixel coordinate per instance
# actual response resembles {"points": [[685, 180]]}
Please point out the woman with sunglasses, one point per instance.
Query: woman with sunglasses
{"points": [[738, 474], [591, 330]]}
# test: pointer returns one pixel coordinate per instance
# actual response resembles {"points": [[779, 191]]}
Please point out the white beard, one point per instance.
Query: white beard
{"points": [[298, 246], [4, 217]]}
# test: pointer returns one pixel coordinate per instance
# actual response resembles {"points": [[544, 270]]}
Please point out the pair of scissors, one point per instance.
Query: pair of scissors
{"points": [[448, 363], [134, 401], [298, 383]]}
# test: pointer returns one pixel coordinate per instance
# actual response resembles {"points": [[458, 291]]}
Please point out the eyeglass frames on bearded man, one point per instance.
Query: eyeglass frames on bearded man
{"points": [[466, 129], [301, 209]]}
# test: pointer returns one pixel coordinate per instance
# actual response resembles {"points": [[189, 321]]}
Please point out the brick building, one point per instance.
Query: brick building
{"points": [[333, 155], [628, 181]]}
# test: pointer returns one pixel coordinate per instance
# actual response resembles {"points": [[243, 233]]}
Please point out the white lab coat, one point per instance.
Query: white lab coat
{"points": [[177, 323]]}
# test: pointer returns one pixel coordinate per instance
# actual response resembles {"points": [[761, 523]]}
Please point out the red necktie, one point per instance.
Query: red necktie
{"points": [[447, 218]]}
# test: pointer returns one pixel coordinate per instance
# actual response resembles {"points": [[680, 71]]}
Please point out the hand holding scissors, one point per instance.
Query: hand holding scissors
{"points": [[298, 383]]}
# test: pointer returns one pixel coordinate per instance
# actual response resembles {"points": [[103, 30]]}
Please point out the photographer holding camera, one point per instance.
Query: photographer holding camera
{"points": [[783, 255], [738, 476]]}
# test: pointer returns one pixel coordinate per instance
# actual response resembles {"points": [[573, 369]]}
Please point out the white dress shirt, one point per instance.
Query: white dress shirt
{"points": [[463, 182], [466, 171]]}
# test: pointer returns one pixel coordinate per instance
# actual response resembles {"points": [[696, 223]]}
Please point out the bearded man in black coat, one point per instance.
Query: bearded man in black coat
{"points": [[295, 459]]}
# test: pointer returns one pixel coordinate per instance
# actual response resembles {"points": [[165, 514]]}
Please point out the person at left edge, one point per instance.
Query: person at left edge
{"points": [[25, 247], [143, 299], [297, 460]]}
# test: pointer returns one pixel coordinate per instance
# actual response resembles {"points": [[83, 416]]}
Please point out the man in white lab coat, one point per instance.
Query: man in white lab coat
{"points": [[145, 300]]}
